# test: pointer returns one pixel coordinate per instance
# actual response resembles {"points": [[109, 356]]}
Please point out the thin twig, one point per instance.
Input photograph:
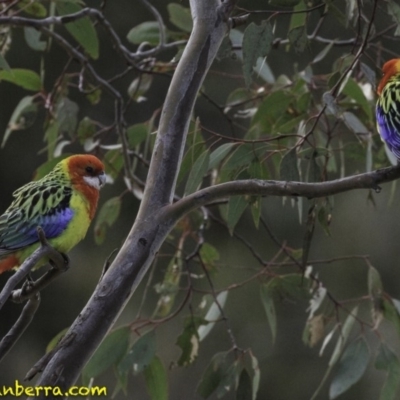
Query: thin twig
{"points": [[20, 325]]}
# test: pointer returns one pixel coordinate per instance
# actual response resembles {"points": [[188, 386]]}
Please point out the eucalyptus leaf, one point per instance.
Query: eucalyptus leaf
{"points": [[22, 117], [212, 315], [106, 217], [289, 170], [146, 32], [25, 78], [180, 16], [197, 173], [109, 353], [82, 29], [32, 38], [257, 42], [156, 379], [351, 368]]}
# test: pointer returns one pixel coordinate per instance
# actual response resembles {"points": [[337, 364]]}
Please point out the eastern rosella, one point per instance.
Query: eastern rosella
{"points": [[388, 106], [63, 203]]}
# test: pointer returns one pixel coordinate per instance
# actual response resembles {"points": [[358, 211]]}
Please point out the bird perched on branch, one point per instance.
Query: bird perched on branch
{"points": [[62, 203], [388, 106]]}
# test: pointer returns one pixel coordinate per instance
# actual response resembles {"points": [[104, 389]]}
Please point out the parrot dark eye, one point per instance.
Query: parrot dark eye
{"points": [[89, 170]]}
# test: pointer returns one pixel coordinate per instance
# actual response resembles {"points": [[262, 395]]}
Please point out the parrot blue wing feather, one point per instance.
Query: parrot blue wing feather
{"points": [[387, 117], [42, 203]]}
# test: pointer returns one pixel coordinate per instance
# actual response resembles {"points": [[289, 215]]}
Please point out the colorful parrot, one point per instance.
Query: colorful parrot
{"points": [[63, 203], [388, 106]]}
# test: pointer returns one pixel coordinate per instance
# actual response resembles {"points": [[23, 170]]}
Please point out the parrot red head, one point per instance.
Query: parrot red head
{"points": [[86, 173], [390, 68]]}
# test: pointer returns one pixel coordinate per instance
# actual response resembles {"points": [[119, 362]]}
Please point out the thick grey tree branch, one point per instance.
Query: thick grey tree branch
{"points": [[368, 180], [149, 230]]}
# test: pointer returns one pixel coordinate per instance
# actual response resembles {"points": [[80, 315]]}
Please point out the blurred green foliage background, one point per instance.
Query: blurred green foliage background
{"points": [[360, 226]]}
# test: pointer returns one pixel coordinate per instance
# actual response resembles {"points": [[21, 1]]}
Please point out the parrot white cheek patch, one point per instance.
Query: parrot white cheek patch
{"points": [[93, 181]]}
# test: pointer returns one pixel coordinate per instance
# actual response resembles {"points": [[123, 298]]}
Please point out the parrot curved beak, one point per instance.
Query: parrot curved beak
{"points": [[102, 179]]}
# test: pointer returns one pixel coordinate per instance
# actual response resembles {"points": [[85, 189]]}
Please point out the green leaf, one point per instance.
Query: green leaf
{"points": [[309, 231], [375, 287], [289, 170], [257, 170], [108, 214], [219, 154], [4, 63], [140, 355], [396, 304], [140, 86], [94, 95], [67, 116], [335, 12], [219, 374], [351, 367], [256, 208], [148, 32], [225, 49], [25, 78], [86, 129], [295, 286], [212, 315], [353, 90], [237, 97], [209, 255], [390, 312], [197, 173], [252, 367], [298, 29], [244, 390], [136, 134], [269, 307], [113, 162], [238, 160], [271, 109], [229, 380], [344, 335], [33, 8], [51, 137], [22, 117], [257, 41], [32, 38], [324, 217], [323, 53], [354, 123], [387, 360], [331, 104], [180, 16], [82, 30], [298, 38], [394, 12], [188, 341], [156, 380], [169, 287], [109, 353], [369, 74], [236, 207], [195, 145], [53, 342]]}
